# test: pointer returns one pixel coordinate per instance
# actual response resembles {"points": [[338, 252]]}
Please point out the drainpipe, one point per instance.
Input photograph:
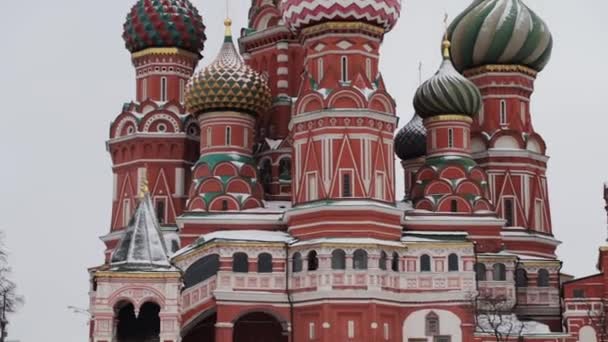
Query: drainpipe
{"points": [[289, 299]]}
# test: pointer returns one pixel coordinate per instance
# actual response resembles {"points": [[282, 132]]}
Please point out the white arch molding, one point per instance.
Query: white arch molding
{"points": [[587, 334], [414, 326]]}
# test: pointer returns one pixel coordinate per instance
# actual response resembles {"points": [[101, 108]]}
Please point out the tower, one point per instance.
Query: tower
{"points": [[503, 58], [343, 122], [153, 137]]}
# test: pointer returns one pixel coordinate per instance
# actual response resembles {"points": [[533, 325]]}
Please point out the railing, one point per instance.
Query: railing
{"points": [[199, 293], [538, 296]]}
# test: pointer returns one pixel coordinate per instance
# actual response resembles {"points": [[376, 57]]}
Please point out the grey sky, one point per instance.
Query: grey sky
{"points": [[67, 74]]}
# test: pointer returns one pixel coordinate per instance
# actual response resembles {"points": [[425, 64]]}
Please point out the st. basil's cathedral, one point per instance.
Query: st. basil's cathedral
{"points": [[255, 200]]}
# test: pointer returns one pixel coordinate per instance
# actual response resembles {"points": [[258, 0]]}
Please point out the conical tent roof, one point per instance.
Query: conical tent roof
{"points": [[142, 247]]}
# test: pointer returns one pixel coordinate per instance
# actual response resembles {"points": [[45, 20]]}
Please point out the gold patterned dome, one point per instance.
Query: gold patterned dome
{"points": [[228, 84]]}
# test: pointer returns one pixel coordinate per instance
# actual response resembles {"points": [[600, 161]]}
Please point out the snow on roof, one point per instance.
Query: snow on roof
{"points": [[238, 235]]}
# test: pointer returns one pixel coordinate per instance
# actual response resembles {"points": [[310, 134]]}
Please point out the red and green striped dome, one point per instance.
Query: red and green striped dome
{"points": [[164, 23]]}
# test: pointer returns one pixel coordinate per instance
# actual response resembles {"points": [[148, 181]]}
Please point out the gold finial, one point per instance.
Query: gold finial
{"points": [[446, 42], [228, 25]]}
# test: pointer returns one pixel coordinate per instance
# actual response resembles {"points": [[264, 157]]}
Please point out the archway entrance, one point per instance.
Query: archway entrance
{"points": [[259, 327], [204, 330], [143, 328]]}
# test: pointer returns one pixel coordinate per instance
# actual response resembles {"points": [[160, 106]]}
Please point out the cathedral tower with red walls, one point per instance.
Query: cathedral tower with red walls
{"points": [[343, 122], [154, 138]]}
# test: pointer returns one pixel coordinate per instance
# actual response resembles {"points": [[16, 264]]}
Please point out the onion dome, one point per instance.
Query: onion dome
{"points": [[228, 84], [447, 92], [302, 13], [499, 32], [410, 142], [164, 23]]}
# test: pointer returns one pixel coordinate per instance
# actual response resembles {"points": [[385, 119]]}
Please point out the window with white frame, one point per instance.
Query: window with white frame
{"points": [[347, 183], [163, 89], [344, 68], [503, 112], [351, 329]]}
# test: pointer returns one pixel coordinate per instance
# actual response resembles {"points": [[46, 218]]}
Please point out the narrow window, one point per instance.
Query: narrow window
{"points": [[228, 136], [160, 210], [311, 331], [312, 187], [182, 90], [240, 262], [508, 211], [163, 89], [379, 186], [320, 70], [480, 271], [313, 261], [224, 205], [344, 68], [360, 260], [297, 263], [521, 278], [246, 137], [144, 89], [386, 331], [265, 263], [382, 261], [450, 138], [503, 112], [209, 137], [346, 185], [499, 272], [522, 112], [395, 262], [126, 212], [338, 260], [454, 206], [351, 329], [538, 215], [425, 263], [368, 68], [481, 115], [453, 263], [431, 324], [543, 278]]}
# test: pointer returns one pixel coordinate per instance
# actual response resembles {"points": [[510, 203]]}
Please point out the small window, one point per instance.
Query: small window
{"points": [[382, 261], [543, 278], [425, 263], [224, 205], [313, 261], [480, 272], [144, 89], [431, 324], [578, 293], [265, 263], [368, 68], [351, 329], [450, 138], [338, 260], [297, 263], [209, 137], [344, 68], [360, 260], [386, 331], [320, 70], [163, 89], [522, 112], [182, 90], [311, 331], [126, 212], [346, 185], [454, 206], [312, 187], [503, 112], [228, 136], [453, 263], [240, 263], [521, 278], [379, 186], [245, 137], [395, 262], [161, 210], [499, 272], [539, 215], [508, 211]]}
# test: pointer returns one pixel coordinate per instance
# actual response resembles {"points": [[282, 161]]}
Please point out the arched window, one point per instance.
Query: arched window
{"points": [[543, 278], [240, 262], [395, 262], [265, 263], [480, 272], [499, 272], [431, 324], [202, 270], [313, 261], [297, 263], [453, 263], [521, 278], [425, 263], [338, 260], [382, 261], [285, 169], [360, 260]]}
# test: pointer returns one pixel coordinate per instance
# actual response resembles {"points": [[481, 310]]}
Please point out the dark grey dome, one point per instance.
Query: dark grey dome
{"points": [[410, 141]]}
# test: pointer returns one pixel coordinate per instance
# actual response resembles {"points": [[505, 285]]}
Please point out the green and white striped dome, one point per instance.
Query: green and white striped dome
{"points": [[499, 32]]}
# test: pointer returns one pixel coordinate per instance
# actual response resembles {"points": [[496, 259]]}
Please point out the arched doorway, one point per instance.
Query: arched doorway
{"points": [[259, 327], [202, 330], [144, 327]]}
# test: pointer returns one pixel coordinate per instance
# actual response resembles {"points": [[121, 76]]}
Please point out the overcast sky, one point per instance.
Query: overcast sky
{"points": [[66, 75]]}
